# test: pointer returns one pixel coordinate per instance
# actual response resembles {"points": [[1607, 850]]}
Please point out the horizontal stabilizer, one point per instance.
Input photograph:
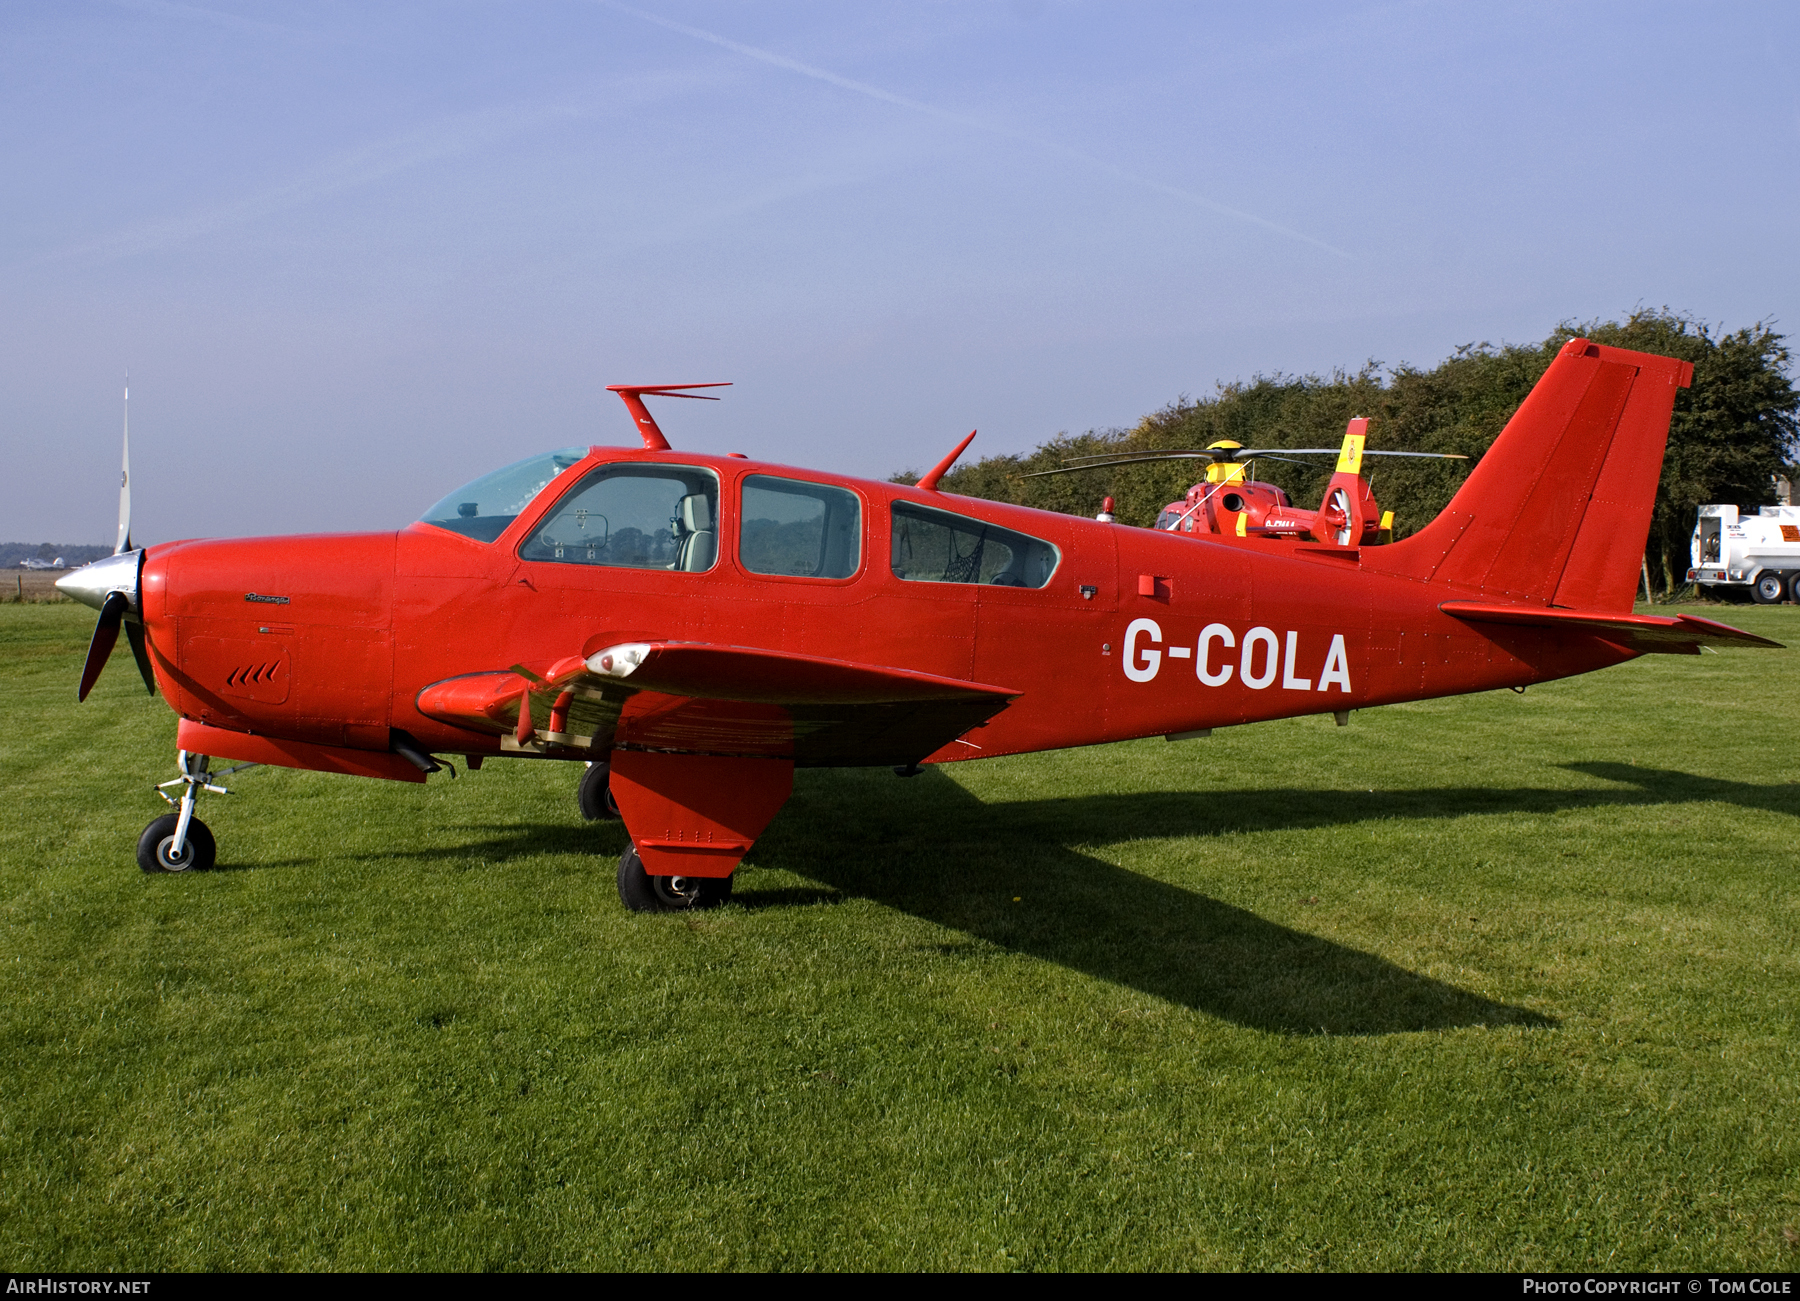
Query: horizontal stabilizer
{"points": [[1647, 634]]}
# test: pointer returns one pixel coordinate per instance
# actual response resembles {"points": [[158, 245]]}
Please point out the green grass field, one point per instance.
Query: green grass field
{"points": [[1501, 982]]}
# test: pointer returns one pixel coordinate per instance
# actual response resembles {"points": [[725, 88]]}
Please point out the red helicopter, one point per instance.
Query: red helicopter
{"points": [[696, 627], [1230, 502]]}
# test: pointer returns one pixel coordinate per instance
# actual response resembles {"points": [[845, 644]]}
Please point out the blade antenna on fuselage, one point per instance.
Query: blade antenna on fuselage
{"points": [[930, 482]]}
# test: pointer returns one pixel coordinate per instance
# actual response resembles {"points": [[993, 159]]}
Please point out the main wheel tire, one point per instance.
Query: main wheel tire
{"points": [[594, 795], [643, 893], [200, 852], [1769, 588]]}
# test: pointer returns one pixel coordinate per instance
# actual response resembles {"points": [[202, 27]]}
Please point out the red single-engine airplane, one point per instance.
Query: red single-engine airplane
{"points": [[696, 627]]}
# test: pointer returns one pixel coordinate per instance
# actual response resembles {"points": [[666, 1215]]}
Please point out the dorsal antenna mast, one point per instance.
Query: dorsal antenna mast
{"points": [[633, 394]]}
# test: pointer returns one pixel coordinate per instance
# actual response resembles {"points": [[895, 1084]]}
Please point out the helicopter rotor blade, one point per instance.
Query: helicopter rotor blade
{"points": [[1236, 456], [1111, 458], [1145, 459], [1245, 453], [1212, 455]]}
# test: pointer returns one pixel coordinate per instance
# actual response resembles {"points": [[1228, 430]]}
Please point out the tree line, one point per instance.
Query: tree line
{"points": [[1733, 431]]}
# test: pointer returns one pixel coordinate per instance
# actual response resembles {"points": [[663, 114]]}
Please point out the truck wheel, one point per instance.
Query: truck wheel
{"points": [[1769, 588]]}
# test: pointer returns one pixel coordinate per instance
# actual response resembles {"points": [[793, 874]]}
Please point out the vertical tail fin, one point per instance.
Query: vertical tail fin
{"points": [[1558, 511]]}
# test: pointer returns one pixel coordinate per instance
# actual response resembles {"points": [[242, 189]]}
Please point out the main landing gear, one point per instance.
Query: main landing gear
{"points": [[594, 795], [643, 893], [178, 841], [638, 890]]}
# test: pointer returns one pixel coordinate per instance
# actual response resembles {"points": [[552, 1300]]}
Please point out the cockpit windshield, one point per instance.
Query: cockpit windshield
{"points": [[483, 509]]}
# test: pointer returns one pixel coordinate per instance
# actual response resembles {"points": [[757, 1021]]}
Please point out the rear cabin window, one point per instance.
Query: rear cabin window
{"points": [[633, 516], [799, 529], [934, 546]]}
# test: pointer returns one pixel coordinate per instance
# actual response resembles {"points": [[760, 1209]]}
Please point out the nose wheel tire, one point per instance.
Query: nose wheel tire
{"points": [[594, 795], [155, 846], [643, 893]]}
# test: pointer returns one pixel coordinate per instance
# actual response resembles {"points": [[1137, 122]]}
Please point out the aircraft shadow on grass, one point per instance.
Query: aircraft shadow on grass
{"points": [[1003, 875], [929, 848], [941, 854], [1200, 813], [1665, 786]]}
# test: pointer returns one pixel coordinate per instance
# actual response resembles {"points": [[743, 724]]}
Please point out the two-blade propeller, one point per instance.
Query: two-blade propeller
{"points": [[106, 636], [111, 586]]}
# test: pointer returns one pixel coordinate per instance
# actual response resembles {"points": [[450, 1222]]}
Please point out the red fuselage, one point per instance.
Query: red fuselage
{"points": [[330, 639]]}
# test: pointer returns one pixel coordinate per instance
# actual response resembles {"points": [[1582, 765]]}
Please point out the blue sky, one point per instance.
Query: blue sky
{"points": [[355, 255]]}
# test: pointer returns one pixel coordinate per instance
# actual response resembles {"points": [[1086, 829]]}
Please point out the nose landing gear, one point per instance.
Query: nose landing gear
{"points": [[156, 851], [178, 841]]}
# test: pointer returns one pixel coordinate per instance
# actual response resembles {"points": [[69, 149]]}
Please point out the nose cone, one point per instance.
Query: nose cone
{"points": [[92, 584]]}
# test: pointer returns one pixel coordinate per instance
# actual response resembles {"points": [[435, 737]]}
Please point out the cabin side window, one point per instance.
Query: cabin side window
{"points": [[934, 546], [797, 529], [633, 516]]}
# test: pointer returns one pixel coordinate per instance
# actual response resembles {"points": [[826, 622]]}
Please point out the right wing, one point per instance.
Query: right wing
{"points": [[700, 698]]}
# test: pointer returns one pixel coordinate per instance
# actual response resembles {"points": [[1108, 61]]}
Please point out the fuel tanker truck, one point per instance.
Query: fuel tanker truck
{"points": [[1759, 553]]}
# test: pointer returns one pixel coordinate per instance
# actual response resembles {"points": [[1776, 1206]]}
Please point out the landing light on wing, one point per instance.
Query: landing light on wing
{"points": [[619, 661]]}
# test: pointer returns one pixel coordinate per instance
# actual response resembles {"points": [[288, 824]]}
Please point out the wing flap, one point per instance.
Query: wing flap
{"points": [[700, 698], [748, 673]]}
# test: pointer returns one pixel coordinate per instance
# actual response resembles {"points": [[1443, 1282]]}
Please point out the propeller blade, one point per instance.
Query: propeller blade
{"points": [[106, 636], [124, 543], [134, 633]]}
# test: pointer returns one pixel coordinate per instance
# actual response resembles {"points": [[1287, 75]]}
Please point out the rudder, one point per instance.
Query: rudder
{"points": [[1558, 511]]}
